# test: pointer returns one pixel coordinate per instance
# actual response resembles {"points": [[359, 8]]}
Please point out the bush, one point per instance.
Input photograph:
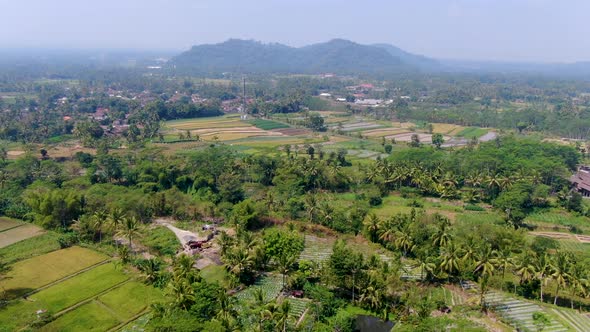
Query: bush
{"points": [[473, 207], [67, 240]]}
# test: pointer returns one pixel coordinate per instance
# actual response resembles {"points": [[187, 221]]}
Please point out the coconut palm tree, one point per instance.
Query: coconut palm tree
{"points": [[225, 242], [485, 263], [115, 218], [450, 259], [285, 264], [560, 272], [372, 223], [442, 236], [525, 267], [543, 266], [130, 227], [98, 220], [282, 315], [504, 261]]}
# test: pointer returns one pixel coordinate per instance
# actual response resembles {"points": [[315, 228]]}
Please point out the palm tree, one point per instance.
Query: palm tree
{"points": [[115, 218], [130, 228], [311, 204], [543, 267], [285, 263], [98, 220], [372, 223], [227, 313], [404, 241], [184, 267], [560, 273], [485, 262], [182, 292], [283, 315], [150, 269], [525, 267], [504, 261], [442, 237], [450, 259], [225, 242]]}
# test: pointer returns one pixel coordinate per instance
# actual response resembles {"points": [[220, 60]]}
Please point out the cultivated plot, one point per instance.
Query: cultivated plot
{"points": [[19, 233]]}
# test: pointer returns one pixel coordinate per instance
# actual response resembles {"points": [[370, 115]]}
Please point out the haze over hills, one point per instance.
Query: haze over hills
{"points": [[337, 55]]}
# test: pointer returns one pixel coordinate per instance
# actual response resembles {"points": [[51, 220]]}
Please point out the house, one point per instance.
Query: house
{"points": [[368, 102], [581, 181], [324, 94], [100, 114]]}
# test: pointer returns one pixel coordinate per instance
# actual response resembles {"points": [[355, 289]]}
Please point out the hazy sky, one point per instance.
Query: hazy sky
{"points": [[522, 30]]}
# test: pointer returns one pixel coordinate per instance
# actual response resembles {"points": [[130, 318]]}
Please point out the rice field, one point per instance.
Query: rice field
{"points": [[472, 132], [14, 233], [267, 124], [39, 271], [384, 132], [446, 128]]}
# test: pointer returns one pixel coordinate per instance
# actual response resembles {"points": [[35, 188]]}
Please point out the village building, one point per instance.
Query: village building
{"points": [[581, 181]]}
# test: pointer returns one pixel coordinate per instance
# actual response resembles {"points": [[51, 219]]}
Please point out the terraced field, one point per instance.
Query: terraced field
{"points": [[580, 323], [31, 274], [271, 287], [298, 306], [316, 249], [78, 287], [519, 313], [12, 231]]}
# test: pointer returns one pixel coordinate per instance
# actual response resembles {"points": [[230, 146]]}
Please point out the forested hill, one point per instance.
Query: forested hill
{"points": [[335, 56]]}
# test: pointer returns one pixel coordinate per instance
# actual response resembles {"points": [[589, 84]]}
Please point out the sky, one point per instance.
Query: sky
{"points": [[499, 30]]}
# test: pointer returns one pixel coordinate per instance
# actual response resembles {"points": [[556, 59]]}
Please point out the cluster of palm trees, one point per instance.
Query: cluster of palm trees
{"points": [[116, 221], [440, 254], [434, 180], [242, 255], [273, 315]]}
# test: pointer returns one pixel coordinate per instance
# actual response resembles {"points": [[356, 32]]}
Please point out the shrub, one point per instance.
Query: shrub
{"points": [[67, 240]]}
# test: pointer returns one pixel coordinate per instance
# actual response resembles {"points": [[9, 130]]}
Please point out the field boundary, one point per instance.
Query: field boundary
{"points": [[7, 229], [90, 299]]}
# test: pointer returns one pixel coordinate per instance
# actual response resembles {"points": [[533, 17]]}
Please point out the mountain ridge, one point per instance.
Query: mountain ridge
{"points": [[337, 55]]}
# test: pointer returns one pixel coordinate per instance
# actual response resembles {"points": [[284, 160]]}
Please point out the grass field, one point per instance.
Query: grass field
{"points": [[160, 240], [557, 218], [39, 271], [14, 235], [472, 132], [215, 273], [32, 247], [267, 124]]}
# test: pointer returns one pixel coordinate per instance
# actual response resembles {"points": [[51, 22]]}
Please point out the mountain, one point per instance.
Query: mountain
{"points": [[335, 56], [416, 60]]}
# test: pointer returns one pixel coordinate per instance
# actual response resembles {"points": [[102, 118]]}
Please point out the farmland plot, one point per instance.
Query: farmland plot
{"points": [[19, 233], [316, 249], [271, 287]]}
